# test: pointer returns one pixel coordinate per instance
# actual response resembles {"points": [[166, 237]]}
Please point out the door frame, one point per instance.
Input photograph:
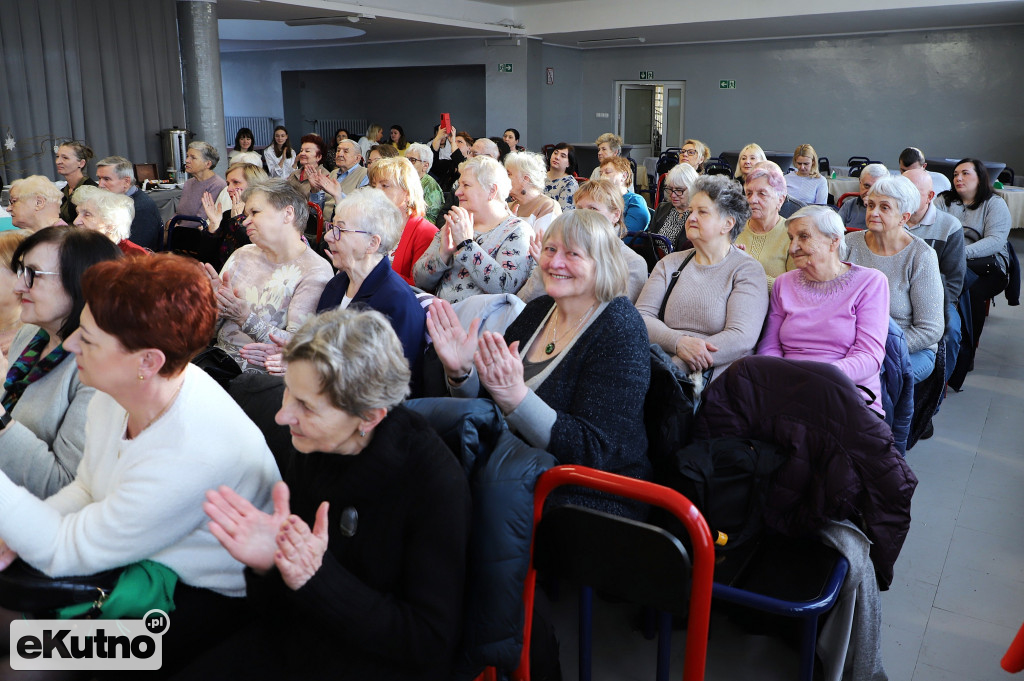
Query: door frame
{"points": [[665, 84]]}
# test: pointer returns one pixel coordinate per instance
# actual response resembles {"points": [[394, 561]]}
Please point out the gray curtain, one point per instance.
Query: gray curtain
{"points": [[106, 72]]}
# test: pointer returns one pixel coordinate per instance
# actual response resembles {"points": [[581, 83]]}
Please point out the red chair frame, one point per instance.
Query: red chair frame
{"points": [[703, 555], [316, 209]]}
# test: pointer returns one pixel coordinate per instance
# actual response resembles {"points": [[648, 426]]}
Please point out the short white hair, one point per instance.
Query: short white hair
{"points": [[908, 198], [682, 174], [875, 170], [371, 211], [489, 173], [530, 164], [421, 152], [115, 211]]}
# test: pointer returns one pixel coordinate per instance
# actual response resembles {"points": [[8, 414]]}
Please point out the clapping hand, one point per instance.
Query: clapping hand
{"points": [[213, 212], [331, 186], [501, 370], [460, 223], [454, 345], [232, 305], [300, 551], [246, 532]]}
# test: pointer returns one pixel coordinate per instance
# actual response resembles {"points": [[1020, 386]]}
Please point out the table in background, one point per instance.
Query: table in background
{"points": [[1014, 197], [842, 185], [166, 201], [651, 163]]}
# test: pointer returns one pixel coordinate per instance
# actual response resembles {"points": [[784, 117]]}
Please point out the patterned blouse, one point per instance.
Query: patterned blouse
{"points": [[561, 190], [281, 296], [497, 261]]}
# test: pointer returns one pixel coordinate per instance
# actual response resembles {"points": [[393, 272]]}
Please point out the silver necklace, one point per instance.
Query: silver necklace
{"points": [[553, 334]]}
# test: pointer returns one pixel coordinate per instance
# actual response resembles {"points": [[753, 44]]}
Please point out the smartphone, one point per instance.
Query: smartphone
{"points": [[446, 123]]}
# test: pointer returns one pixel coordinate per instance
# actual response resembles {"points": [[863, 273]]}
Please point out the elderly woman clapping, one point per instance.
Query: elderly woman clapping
{"points": [[109, 214], [764, 236], [35, 203], [828, 310], [910, 265], [482, 247], [359, 571], [714, 315], [529, 202], [670, 218], [271, 285], [571, 371]]}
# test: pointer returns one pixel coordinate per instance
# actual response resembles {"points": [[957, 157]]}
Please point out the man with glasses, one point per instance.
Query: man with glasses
{"points": [[117, 174]]}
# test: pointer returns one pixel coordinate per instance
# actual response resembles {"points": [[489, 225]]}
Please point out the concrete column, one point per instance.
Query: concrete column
{"points": [[199, 43]]}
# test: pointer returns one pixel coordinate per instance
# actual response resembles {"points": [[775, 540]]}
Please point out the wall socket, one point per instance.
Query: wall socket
{"points": [[603, 115]]}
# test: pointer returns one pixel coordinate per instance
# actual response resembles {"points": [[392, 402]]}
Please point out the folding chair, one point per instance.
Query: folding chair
{"points": [[600, 550]]}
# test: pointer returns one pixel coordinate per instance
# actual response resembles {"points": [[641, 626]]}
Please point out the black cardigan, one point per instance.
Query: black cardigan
{"points": [[598, 389], [387, 602]]}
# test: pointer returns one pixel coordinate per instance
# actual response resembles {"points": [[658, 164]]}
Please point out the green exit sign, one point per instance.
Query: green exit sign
{"points": [[505, 68], [727, 85], [647, 75]]}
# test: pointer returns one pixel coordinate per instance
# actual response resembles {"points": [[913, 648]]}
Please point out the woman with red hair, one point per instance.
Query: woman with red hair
{"points": [[152, 451]]}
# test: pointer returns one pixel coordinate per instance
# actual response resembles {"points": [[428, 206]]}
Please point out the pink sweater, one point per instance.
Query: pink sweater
{"points": [[843, 322]]}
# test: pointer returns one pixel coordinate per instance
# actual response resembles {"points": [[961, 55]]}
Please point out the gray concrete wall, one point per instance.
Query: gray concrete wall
{"points": [[951, 93]]}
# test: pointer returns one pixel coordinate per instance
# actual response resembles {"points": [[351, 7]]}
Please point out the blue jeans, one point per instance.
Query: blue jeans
{"points": [[953, 336], [921, 364]]}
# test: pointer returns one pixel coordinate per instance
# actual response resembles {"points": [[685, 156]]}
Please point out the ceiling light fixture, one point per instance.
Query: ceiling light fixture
{"points": [[608, 42]]}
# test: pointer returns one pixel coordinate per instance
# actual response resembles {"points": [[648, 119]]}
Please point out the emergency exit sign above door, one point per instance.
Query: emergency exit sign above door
{"points": [[727, 85], [647, 75]]}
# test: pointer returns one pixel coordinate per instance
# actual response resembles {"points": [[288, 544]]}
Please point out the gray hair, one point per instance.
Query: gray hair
{"points": [[908, 198], [355, 145], [37, 185], [728, 198], [824, 219], [590, 232], [489, 173], [280, 195], [875, 170], [123, 168], [357, 356], [682, 174], [421, 152], [370, 210], [613, 141], [530, 165], [490, 148], [115, 211], [207, 150]]}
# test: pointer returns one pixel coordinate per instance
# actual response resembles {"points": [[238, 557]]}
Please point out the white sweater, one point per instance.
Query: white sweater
{"points": [[142, 498]]}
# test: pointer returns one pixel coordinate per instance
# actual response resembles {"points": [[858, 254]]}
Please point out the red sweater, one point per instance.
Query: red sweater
{"points": [[416, 236]]}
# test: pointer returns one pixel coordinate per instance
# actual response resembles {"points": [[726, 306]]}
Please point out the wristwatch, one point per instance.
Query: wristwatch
{"points": [[463, 244]]}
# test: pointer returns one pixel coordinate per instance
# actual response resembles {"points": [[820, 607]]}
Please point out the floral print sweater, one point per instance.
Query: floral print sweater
{"points": [[280, 296], [496, 261]]}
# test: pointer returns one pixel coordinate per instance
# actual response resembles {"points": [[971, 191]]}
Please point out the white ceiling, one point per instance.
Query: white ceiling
{"points": [[259, 25]]}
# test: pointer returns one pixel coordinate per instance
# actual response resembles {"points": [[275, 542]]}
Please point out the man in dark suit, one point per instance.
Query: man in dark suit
{"points": [[116, 174]]}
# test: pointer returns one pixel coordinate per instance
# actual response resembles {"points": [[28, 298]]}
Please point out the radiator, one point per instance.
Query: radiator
{"points": [[325, 127], [262, 128]]}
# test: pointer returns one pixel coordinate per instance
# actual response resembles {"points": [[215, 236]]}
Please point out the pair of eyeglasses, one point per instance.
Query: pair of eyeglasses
{"points": [[688, 152], [29, 274], [675, 191], [336, 231]]}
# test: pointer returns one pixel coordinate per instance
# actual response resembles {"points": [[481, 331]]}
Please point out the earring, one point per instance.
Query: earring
{"points": [[362, 433], [523, 192], [141, 377]]}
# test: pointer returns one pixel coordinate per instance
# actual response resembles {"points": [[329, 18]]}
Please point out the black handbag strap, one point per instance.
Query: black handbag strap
{"points": [[672, 284]]}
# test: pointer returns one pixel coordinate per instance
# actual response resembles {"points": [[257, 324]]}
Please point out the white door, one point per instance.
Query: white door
{"points": [[650, 116]]}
